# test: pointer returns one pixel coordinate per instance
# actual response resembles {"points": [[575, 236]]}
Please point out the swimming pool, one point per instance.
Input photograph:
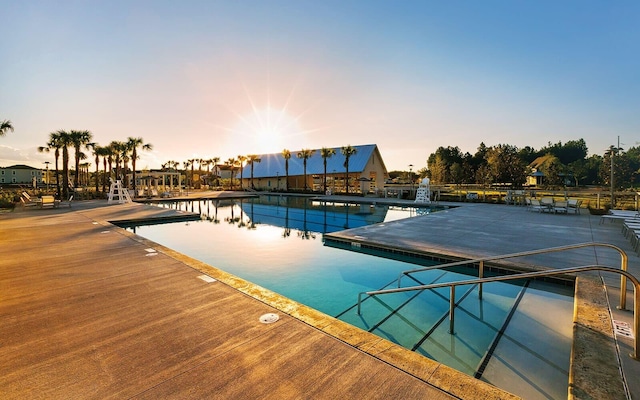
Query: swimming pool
{"points": [[276, 242]]}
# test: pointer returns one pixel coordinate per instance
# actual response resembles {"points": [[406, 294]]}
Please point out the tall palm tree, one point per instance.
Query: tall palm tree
{"points": [[241, 159], [79, 139], [192, 163], [286, 154], [133, 144], [305, 154], [347, 152], [326, 153], [104, 152], [55, 144], [216, 171], [5, 126], [253, 158], [95, 148], [65, 143], [231, 163], [186, 165]]}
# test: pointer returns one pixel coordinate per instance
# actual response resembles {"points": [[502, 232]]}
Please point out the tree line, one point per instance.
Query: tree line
{"points": [[561, 164], [116, 153]]}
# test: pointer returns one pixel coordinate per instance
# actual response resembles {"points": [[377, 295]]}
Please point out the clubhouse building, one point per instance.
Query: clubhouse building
{"points": [[367, 172]]}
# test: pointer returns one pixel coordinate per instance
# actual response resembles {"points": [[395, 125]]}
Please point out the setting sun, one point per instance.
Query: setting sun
{"points": [[267, 130]]}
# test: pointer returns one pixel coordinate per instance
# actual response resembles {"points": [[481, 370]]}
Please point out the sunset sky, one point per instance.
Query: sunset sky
{"points": [[200, 79]]}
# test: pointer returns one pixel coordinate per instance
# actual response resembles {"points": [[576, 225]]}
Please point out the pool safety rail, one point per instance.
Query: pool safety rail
{"points": [[480, 262], [524, 275]]}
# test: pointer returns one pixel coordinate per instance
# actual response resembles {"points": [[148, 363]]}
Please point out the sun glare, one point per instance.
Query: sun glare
{"points": [[268, 129]]}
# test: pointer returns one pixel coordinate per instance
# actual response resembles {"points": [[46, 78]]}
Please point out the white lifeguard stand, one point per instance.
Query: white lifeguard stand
{"points": [[423, 195], [117, 193]]}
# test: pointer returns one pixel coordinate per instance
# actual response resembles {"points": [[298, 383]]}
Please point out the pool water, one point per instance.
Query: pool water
{"points": [[276, 242]]}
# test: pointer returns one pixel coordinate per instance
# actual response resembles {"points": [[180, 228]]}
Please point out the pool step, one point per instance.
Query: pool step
{"points": [[532, 357]]}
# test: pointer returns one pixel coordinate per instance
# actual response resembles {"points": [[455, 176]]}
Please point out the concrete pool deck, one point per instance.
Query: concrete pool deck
{"points": [[98, 312]]}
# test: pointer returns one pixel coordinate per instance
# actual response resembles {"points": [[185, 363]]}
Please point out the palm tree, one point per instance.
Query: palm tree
{"points": [[65, 142], [54, 143], [78, 140], [103, 152], [133, 144], [216, 171], [305, 154], [253, 158], [5, 126], [326, 153], [241, 160], [347, 152], [286, 154], [94, 147], [192, 162], [231, 163], [186, 165]]}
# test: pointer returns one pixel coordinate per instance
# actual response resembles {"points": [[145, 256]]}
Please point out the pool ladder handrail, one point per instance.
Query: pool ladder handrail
{"points": [[524, 275], [480, 261]]}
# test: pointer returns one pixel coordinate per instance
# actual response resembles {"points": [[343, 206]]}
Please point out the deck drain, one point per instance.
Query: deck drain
{"points": [[269, 318], [207, 278]]}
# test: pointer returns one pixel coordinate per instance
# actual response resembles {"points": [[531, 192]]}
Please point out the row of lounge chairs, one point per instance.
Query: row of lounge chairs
{"points": [[630, 225], [45, 201], [550, 205]]}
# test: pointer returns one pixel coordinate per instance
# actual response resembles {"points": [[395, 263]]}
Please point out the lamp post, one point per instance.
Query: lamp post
{"points": [[47, 174], [411, 179]]}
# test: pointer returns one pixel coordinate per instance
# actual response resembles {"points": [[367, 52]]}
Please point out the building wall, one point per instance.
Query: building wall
{"points": [[20, 175]]}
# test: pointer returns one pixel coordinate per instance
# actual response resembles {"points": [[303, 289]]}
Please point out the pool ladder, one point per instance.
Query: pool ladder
{"points": [[624, 275]]}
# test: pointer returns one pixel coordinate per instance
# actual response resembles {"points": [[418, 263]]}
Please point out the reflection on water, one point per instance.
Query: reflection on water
{"points": [[303, 216]]}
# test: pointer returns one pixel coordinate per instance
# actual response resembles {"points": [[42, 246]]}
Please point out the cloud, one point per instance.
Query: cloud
{"points": [[10, 156]]}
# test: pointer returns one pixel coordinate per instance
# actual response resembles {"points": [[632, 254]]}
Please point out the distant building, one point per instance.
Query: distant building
{"points": [[537, 177], [367, 172], [21, 175]]}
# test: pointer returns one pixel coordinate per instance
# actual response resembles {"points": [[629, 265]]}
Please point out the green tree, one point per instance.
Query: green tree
{"points": [[326, 153], [231, 163], [286, 154], [5, 126], [305, 154], [79, 139], [251, 159], [55, 144], [347, 152], [133, 144], [505, 166], [241, 159]]}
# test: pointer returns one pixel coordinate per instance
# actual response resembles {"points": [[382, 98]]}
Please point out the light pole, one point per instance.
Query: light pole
{"points": [[47, 174], [411, 179]]}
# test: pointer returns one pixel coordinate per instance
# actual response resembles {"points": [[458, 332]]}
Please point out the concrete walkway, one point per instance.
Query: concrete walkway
{"points": [[97, 312]]}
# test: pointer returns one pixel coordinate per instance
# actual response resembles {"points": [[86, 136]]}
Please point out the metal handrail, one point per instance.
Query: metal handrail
{"points": [[480, 261], [525, 275]]}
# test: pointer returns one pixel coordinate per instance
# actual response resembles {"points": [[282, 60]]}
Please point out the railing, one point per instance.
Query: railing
{"points": [[524, 275], [480, 261]]}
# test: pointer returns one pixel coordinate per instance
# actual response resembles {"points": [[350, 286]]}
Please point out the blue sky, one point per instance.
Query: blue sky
{"points": [[221, 78]]}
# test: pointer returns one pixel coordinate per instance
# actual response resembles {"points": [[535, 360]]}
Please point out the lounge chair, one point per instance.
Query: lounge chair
{"points": [[560, 207], [537, 206], [573, 206], [28, 201], [547, 203]]}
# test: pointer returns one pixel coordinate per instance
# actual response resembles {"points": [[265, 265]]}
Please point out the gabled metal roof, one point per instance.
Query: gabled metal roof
{"points": [[274, 164]]}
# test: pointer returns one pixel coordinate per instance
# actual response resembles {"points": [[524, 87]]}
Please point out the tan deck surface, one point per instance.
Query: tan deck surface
{"points": [[88, 312]]}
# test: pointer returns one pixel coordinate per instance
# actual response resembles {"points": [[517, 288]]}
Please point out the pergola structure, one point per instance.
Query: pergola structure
{"points": [[155, 183]]}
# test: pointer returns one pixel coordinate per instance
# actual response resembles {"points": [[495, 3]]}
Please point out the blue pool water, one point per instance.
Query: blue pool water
{"points": [[276, 242]]}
